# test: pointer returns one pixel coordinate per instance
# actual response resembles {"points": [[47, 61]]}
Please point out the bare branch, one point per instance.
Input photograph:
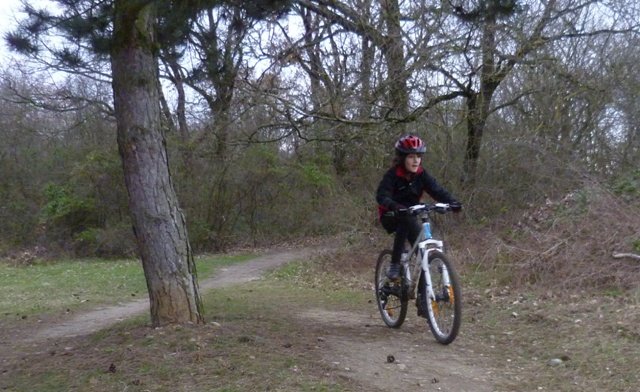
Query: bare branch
{"points": [[348, 18], [626, 256]]}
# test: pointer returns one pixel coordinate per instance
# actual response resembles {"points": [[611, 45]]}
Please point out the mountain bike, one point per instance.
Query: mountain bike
{"points": [[427, 276]]}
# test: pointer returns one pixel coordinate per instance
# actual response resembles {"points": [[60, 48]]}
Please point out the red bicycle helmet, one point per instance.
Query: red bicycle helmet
{"points": [[409, 144]]}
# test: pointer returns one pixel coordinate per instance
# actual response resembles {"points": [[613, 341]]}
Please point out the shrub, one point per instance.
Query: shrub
{"points": [[117, 241], [628, 186], [65, 215]]}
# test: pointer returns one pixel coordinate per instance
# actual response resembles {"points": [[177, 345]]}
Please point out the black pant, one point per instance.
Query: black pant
{"points": [[406, 227]]}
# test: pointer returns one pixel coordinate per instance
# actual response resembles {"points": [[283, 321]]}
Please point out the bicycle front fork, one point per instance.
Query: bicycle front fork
{"points": [[446, 284]]}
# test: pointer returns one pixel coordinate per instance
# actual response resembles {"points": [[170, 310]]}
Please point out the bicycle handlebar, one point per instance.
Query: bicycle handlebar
{"points": [[440, 208], [437, 207]]}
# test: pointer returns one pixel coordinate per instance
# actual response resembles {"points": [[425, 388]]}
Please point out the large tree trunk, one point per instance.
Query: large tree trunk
{"points": [[158, 223], [393, 51], [478, 104], [477, 113]]}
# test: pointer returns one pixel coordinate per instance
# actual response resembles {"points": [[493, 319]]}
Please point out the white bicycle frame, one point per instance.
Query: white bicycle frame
{"points": [[425, 250], [425, 247]]}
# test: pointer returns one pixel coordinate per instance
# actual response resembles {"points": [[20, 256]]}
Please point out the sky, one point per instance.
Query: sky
{"points": [[8, 13]]}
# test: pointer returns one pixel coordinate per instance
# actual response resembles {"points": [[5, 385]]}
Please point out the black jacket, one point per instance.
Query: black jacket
{"points": [[398, 187]]}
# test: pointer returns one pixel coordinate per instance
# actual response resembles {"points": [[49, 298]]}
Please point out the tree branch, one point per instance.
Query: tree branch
{"points": [[626, 256], [350, 19]]}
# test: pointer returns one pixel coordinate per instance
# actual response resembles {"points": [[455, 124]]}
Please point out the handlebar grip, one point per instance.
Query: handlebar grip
{"points": [[403, 212], [455, 206], [442, 209]]}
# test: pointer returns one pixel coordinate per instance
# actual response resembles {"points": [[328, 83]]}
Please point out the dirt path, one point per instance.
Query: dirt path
{"points": [[356, 345], [93, 321]]}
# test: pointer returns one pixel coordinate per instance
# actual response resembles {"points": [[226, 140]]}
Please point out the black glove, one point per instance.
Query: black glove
{"points": [[455, 206], [398, 207]]}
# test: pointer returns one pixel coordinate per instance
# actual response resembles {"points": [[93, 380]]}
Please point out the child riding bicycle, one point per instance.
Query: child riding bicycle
{"points": [[402, 186]]}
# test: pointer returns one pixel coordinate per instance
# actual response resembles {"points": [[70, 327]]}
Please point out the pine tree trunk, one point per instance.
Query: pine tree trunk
{"points": [[159, 224]]}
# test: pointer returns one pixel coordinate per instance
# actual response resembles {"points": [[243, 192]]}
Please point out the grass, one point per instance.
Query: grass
{"points": [[252, 342], [74, 284]]}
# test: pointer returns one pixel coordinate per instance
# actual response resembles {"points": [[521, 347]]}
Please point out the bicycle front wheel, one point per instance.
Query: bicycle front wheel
{"points": [[391, 303], [444, 306]]}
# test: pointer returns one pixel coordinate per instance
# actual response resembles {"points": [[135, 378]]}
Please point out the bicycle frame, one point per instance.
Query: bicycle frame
{"points": [[428, 276], [422, 248]]}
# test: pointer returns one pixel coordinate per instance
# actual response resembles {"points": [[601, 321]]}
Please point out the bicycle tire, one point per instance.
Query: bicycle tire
{"points": [[391, 303], [444, 315]]}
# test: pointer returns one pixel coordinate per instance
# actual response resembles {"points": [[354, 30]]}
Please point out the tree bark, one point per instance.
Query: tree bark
{"points": [[478, 104], [393, 51], [158, 223]]}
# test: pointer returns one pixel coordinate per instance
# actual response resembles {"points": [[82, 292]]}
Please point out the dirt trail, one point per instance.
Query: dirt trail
{"points": [[93, 321], [356, 345]]}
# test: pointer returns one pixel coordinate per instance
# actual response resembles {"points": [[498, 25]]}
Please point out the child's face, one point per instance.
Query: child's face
{"points": [[412, 162]]}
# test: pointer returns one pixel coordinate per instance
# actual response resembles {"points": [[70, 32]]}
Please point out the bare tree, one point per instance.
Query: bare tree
{"points": [[502, 35], [386, 35]]}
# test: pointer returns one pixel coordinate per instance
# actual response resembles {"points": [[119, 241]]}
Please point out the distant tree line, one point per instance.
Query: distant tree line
{"points": [[281, 127]]}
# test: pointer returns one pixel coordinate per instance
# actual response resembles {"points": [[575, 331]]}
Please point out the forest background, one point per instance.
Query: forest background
{"points": [[280, 129]]}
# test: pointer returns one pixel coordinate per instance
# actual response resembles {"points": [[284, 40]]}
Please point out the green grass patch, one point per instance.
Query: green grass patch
{"points": [[325, 283], [73, 284], [254, 341]]}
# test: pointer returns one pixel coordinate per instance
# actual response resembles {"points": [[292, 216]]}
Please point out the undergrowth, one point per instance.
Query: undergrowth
{"points": [[573, 243]]}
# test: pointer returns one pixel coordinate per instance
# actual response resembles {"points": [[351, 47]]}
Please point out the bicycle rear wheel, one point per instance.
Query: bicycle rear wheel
{"points": [[392, 306], [444, 312]]}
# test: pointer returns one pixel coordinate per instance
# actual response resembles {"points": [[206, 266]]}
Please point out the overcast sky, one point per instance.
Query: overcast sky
{"points": [[8, 12]]}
